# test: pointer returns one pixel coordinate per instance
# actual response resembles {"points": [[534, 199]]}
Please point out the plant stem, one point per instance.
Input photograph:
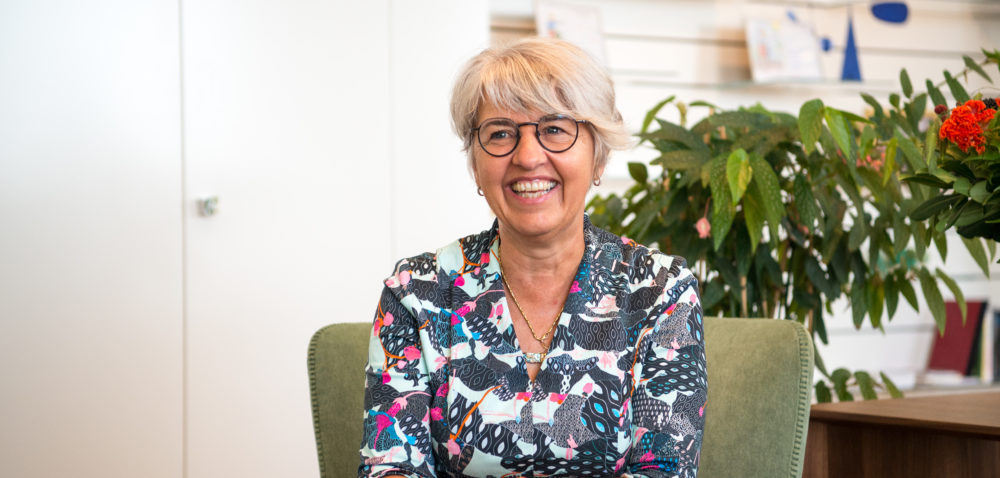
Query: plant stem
{"points": [[809, 316], [743, 296]]}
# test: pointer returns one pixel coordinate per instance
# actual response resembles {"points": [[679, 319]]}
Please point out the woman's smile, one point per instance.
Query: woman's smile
{"points": [[533, 188]]}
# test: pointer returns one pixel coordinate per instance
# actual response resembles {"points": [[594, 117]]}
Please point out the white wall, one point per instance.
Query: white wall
{"points": [[434, 198], [90, 240]]}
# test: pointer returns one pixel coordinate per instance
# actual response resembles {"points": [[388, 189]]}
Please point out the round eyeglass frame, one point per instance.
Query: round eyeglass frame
{"points": [[517, 140]]}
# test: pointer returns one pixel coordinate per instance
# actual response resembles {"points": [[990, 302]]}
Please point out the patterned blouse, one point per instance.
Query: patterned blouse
{"points": [[621, 392]]}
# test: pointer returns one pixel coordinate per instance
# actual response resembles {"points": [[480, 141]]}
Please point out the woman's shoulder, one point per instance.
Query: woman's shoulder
{"points": [[636, 258], [455, 258]]}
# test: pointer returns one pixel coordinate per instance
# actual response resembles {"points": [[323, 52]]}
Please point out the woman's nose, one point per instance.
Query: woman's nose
{"points": [[529, 152]]}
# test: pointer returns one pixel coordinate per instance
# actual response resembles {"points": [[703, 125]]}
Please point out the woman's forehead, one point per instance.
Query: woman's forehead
{"points": [[492, 110]]}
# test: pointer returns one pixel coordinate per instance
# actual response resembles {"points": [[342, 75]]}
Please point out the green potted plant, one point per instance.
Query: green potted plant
{"points": [[782, 215]]}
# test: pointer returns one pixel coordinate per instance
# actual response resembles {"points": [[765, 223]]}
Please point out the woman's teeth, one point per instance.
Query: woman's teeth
{"points": [[533, 189]]}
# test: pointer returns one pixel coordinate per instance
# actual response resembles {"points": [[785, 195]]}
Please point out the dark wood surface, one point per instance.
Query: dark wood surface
{"points": [[974, 414], [941, 436]]}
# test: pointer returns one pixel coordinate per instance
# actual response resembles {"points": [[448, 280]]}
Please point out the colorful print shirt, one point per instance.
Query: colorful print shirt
{"points": [[622, 391]]}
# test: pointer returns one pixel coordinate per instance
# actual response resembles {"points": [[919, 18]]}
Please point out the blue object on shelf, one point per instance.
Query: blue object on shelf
{"points": [[892, 12], [851, 71], [826, 44]]}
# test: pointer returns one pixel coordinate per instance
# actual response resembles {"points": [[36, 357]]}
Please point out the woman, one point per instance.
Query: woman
{"points": [[543, 346]]}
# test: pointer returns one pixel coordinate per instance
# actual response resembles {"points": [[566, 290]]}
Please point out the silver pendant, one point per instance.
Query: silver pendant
{"points": [[531, 357]]}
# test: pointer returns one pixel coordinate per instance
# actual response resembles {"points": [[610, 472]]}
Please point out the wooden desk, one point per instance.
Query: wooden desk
{"points": [[940, 436]]}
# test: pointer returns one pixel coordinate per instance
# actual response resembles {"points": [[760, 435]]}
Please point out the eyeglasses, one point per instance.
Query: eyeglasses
{"points": [[499, 136]]}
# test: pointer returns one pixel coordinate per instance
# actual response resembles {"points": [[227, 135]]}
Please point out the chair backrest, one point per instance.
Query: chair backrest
{"points": [[338, 354], [759, 393], [760, 386]]}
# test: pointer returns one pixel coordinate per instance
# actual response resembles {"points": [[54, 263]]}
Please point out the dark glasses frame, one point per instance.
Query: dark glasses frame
{"points": [[517, 139]]}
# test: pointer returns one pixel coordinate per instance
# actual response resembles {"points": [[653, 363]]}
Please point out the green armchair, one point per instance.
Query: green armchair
{"points": [[760, 388]]}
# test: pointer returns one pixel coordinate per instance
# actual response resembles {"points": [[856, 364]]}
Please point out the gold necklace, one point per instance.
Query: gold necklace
{"points": [[555, 320]]}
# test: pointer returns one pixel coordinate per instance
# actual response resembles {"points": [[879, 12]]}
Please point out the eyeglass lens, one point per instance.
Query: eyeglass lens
{"points": [[556, 133]]}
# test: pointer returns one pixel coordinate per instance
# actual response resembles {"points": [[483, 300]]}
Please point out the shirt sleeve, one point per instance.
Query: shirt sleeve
{"points": [[396, 437], [668, 402]]}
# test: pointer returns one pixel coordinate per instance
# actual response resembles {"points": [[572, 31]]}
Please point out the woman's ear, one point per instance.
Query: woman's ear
{"points": [[598, 173]]}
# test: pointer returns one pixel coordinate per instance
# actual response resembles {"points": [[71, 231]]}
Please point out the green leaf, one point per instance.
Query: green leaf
{"points": [[819, 278], [935, 94], [677, 134], [934, 206], [652, 114], [738, 172], [978, 252], [714, 292], [823, 393], [942, 244], [840, 130], [904, 80], [753, 213], [857, 235], [811, 124], [638, 172], [900, 234], [703, 103], [818, 359], [839, 378], [956, 88], [891, 296], [891, 387], [972, 65], [876, 300], [962, 185], [955, 290], [643, 218], [932, 295], [765, 185], [866, 384], [740, 119], [615, 208], [805, 202], [911, 153], [681, 159], [977, 192], [723, 210], [876, 107], [859, 305], [890, 161], [928, 179], [906, 288]]}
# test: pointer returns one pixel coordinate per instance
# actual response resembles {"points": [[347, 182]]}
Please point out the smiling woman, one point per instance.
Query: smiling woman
{"points": [[599, 368]]}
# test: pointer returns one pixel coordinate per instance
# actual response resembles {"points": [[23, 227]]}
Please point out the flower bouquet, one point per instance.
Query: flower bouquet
{"points": [[967, 173]]}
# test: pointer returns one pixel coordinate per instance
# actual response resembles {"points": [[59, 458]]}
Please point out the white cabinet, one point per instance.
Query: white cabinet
{"points": [[141, 339], [90, 240], [286, 120]]}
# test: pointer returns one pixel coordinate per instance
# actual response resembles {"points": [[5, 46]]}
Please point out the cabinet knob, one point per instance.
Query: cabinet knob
{"points": [[208, 206]]}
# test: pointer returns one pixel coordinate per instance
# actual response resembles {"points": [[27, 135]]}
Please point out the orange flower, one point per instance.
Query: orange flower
{"points": [[965, 126]]}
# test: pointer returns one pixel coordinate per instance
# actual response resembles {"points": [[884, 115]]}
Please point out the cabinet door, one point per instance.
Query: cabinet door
{"points": [[286, 122], [90, 239]]}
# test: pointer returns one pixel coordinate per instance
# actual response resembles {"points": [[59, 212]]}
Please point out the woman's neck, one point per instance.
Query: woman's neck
{"points": [[534, 261]]}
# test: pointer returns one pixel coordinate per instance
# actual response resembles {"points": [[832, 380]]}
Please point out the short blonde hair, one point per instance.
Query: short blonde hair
{"points": [[539, 74]]}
